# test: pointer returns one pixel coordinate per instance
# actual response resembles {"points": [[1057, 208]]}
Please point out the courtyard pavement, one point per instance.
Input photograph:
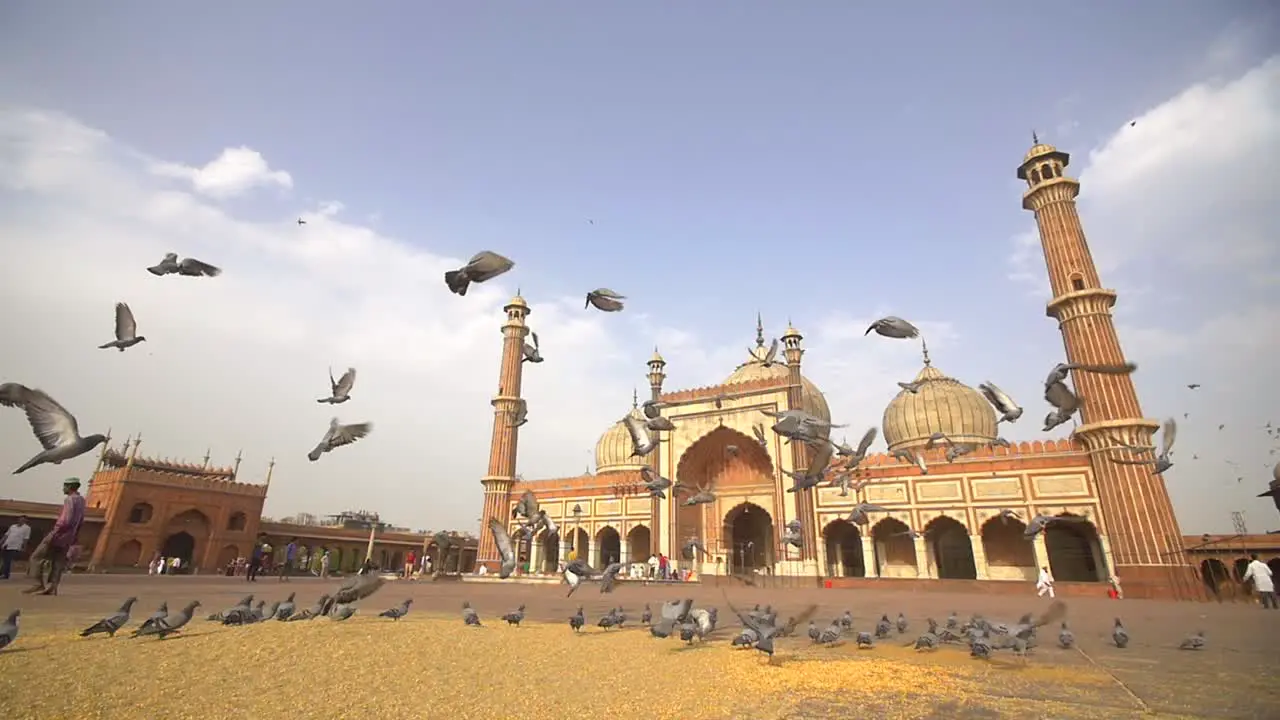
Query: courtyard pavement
{"points": [[1236, 677]]}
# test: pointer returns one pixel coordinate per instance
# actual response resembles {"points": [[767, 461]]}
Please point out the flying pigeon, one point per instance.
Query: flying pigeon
{"points": [[858, 516], [357, 587], [169, 624], [532, 353], [792, 536], [1000, 400], [190, 267], [910, 457], [669, 615], [398, 611], [9, 629], [469, 615], [767, 631], [1039, 523], [758, 430], [769, 356], [1059, 372], [339, 435], [54, 427], [660, 424], [340, 391], [912, 387], [484, 265], [522, 414], [642, 441], [1161, 462], [126, 330], [1065, 404], [575, 572], [1194, 386], [703, 496], [112, 623], [301, 221], [605, 299], [505, 549], [814, 474], [893, 327]]}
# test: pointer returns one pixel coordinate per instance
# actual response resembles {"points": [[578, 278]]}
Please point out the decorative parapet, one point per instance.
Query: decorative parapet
{"points": [[173, 473], [732, 391]]}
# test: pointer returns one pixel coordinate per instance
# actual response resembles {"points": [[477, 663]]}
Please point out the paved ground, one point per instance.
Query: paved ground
{"points": [[1236, 677]]}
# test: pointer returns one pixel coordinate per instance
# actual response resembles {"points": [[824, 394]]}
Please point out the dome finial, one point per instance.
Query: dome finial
{"points": [[1035, 139], [759, 330], [635, 398], [924, 349]]}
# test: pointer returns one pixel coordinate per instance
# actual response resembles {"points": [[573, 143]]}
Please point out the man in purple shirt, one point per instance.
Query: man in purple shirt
{"points": [[59, 542], [290, 557]]}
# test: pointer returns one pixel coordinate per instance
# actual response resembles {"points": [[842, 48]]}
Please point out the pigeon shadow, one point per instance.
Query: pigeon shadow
{"points": [[689, 647], [183, 636], [14, 651]]}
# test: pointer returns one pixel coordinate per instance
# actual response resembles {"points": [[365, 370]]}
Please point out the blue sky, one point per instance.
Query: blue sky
{"points": [[822, 161]]}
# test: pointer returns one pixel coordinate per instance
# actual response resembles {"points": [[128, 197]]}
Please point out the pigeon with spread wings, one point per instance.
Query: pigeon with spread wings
{"points": [[55, 427], [340, 390], [506, 550], [126, 330], [339, 435]]}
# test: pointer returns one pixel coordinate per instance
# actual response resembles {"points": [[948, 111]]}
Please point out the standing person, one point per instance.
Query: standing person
{"points": [[59, 542], [255, 563], [410, 562], [290, 555], [1263, 582], [1045, 583], [324, 564], [14, 542], [653, 567]]}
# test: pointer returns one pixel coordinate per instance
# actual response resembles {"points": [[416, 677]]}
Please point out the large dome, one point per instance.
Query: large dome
{"points": [[943, 405], [812, 400], [613, 451]]}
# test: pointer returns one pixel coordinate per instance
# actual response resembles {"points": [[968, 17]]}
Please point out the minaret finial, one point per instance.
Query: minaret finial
{"points": [[271, 467], [517, 290], [235, 471], [635, 398], [1035, 139], [759, 330], [924, 349]]}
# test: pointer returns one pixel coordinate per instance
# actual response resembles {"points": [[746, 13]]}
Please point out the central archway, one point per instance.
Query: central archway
{"points": [[638, 544], [183, 534], [1075, 551], [748, 536], [608, 547], [844, 549], [709, 461], [950, 550], [179, 545]]}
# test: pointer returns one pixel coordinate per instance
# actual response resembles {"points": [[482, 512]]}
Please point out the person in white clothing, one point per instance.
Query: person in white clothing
{"points": [[1045, 583], [14, 542], [1263, 583], [653, 567]]}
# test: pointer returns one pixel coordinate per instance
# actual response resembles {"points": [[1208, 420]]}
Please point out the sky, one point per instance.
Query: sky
{"points": [[822, 163]]}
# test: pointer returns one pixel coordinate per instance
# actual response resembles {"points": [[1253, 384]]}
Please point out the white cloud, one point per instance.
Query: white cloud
{"points": [[236, 362], [232, 173], [1181, 218]]}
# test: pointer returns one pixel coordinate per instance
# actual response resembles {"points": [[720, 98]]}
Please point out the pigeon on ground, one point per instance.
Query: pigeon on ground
{"points": [[112, 623], [831, 633], [980, 646], [1119, 635], [506, 550], [883, 627], [646, 617], [532, 352], [398, 611], [605, 299], [189, 267], [768, 631], [643, 442], [893, 327], [285, 609], [864, 641], [577, 620], [929, 640], [310, 613], [342, 611], [608, 620], [901, 624], [340, 391], [483, 266], [1000, 400], [257, 613], [155, 616], [53, 425], [515, 617], [126, 330], [1066, 638], [748, 638], [9, 629], [1194, 641], [469, 615], [169, 624], [814, 632], [339, 435], [236, 613]]}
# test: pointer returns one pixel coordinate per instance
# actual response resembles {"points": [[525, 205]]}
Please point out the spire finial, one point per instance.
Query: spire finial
{"points": [[759, 330], [924, 349], [635, 398], [1035, 139], [517, 290]]}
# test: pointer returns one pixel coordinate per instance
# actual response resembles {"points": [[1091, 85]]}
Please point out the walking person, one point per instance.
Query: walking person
{"points": [[13, 543], [410, 563], [255, 563], [1263, 582], [1045, 583], [59, 546], [290, 556], [324, 564]]}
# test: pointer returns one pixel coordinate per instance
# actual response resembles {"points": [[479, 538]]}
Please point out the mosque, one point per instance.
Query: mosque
{"points": [[1125, 524]]}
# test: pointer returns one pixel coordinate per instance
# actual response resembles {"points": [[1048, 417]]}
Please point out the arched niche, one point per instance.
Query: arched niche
{"points": [[608, 546], [1075, 551], [237, 522], [844, 549], [1010, 556], [950, 550], [639, 541], [580, 543], [895, 551], [184, 533], [748, 537], [549, 545], [141, 513], [129, 554]]}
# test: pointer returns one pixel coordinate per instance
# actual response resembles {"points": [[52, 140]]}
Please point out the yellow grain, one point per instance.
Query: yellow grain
{"points": [[429, 667]]}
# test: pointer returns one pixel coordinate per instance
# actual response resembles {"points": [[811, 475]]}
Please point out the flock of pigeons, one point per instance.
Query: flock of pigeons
{"points": [[759, 627]]}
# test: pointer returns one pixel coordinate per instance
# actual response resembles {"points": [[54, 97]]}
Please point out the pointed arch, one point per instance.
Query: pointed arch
{"points": [[748, 534], [844, 549], [1009, 555], [1075, 551], [895, 550], [949, 549], [708, 459], [608, 547], [549, 546], [638, 543], [129, 554]]}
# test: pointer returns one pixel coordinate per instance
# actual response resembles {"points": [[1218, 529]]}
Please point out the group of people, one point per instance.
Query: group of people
{"points": [[1044, 585], [161, 565]]}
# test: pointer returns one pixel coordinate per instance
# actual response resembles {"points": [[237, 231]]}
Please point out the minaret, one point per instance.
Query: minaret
{"points": [[799, 451], [657, 368], [1142, 530], [502, 448]]}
